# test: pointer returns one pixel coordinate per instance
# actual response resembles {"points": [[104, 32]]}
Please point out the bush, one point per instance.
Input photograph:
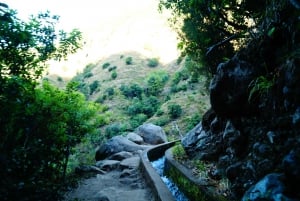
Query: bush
{"points": [[147, 106], [110, 91], [101, 99], [155, 82], [94, 86], [105, 65], [131, 91], [59, 79], [88, 74], [114, 129], [114, 75], [112, 68], [162, 121], [177, 77], [174, 110], [128, 60], [153, 62], [137, 120]]}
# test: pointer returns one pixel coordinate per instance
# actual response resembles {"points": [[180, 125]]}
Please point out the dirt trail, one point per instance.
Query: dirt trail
{"points": [[117, 185]]}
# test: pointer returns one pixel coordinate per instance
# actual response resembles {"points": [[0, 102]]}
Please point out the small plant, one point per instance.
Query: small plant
{"points": [[114, 129], [153, 62], [128, 60], [162, 121], [178, 152], [110, 91], [112, 68], [88, 74], [174, 110], [105, 65], [94, 86], [59, 79], [114, 75], [260, 86]]}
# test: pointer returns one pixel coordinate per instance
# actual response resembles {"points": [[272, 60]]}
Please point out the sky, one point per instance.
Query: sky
{"points": [[108, 27]]}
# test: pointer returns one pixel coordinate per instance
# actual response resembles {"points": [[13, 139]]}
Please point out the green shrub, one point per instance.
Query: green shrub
{"points": [[147, 106], [131, 91], [101, 98], [153, 62], [94, 86], [193, 121], [128, 60], [112, 68], [114, 75], [105, 65], [174, 110], [159, 112], [176, 78], [137, 120], [88, 74], [114, 129], [155, 82], [162, 121], [110, 91], [59, 79]]}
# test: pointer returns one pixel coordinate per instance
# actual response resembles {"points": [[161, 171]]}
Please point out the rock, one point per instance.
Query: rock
{"points": [[291, 166], [201, 145], [152, 134], [207, 118], [296, 117], [230, 86], [271, 187], [88, 168], [130, 163], [135, 138], [120, 156], [115, 145], [108, 165], [101, 198], [190, 139]]}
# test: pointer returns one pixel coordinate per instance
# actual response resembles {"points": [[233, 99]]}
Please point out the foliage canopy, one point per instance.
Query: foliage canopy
{"points": [[38, 123], [211, 30]]}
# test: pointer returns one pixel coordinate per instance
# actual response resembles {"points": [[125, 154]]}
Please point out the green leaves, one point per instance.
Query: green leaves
{"points": [[260, 86], [26, 46]]}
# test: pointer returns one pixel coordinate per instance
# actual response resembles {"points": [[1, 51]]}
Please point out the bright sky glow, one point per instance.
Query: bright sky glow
{"points": [[108, 26]]}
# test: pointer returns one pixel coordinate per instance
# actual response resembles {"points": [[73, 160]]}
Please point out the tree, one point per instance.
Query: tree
{"points": [[211, 30], [38, 123]]}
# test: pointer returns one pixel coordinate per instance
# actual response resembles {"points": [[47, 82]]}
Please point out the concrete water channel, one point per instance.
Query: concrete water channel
{"points": [[158, 160], [159, 165]]}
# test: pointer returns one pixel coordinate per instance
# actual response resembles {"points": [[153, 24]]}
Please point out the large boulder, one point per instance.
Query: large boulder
{"points": [[116, 145], [229, 89], [135, 138], [271, 187], [152, 134]]}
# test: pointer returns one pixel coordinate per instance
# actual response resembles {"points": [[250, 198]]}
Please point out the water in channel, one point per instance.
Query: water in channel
{"points": [[159, 167]]}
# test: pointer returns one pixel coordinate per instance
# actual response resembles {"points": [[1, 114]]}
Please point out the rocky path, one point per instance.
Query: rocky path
{"points": [[116, 185], [117, 174]]}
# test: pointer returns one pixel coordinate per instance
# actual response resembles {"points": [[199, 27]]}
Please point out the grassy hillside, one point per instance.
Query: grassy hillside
{"points": [[174, 99], [133, 90]]}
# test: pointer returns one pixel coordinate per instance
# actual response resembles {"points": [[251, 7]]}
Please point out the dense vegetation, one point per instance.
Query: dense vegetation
{"points": [[39, 123], [252, 50]]}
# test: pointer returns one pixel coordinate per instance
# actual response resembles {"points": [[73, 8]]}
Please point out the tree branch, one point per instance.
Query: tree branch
{"points": [[211, 48]]}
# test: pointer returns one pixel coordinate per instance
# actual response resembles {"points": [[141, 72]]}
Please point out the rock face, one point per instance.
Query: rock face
{"points": [[254, 142], [115, 145], [152, 134], [229, 87]]}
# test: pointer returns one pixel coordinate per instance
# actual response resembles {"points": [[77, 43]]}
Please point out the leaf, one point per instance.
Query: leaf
{"points": [[271, 31]]}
